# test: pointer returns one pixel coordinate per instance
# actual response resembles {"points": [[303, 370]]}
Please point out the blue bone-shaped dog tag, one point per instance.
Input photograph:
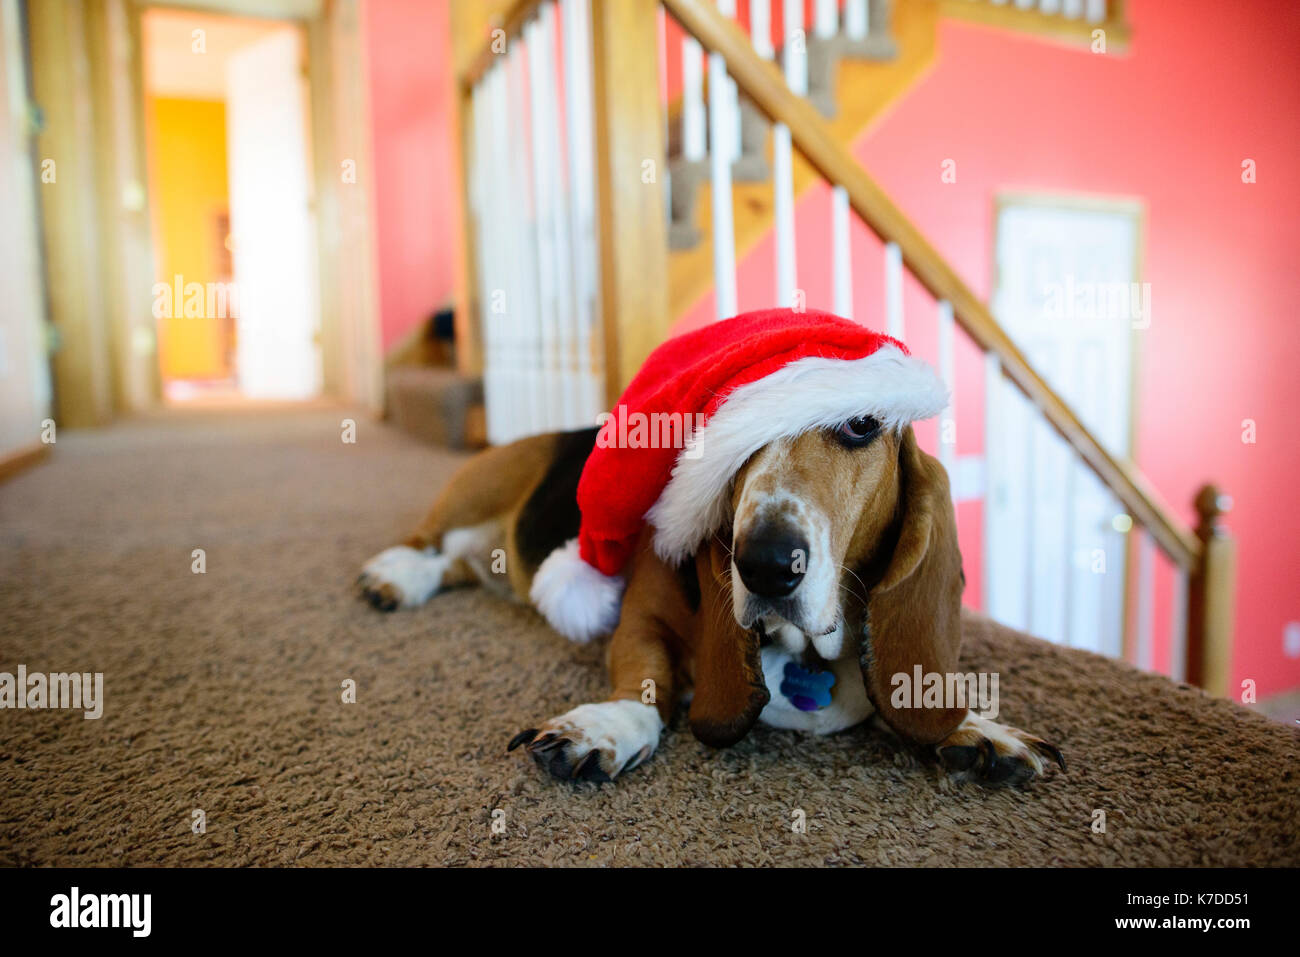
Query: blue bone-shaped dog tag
{"points": [[807, 690]]}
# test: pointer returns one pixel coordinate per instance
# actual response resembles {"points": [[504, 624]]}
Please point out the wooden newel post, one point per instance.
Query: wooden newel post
{"points": [[1210, 596], [630, 170]]}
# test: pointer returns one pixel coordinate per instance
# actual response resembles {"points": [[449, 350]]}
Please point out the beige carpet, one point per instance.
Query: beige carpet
{"points": [[223, 694]]}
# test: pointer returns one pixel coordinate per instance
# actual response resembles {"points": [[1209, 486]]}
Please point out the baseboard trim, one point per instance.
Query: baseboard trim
{"points": [[21, 459]]}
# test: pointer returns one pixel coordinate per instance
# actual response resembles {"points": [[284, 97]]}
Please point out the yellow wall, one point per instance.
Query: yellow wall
{"points": [[187, 163]]}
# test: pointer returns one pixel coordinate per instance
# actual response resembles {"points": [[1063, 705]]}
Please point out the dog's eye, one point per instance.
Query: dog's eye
{"points": [[856, 433]]}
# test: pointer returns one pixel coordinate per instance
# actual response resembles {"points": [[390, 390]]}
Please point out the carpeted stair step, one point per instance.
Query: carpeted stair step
{"points": [[437, 405]]}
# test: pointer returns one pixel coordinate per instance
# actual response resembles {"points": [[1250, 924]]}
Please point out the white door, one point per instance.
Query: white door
{"points": [[1068, 295], [277, 355]]}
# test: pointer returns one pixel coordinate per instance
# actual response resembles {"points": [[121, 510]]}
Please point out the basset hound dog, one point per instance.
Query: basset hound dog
{"points": [[824, 571]]}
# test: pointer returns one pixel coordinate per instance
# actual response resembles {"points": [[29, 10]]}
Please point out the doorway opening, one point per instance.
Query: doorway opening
{"points": [[1068, 291], [228, 142]]}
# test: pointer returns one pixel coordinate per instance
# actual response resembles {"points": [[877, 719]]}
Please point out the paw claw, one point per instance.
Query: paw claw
{"points": [[1050, 751], [633, 761], [523, 737]]}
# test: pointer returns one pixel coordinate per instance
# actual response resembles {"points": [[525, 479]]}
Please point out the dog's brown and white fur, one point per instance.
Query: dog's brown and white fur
{"points": [[879, 594]]}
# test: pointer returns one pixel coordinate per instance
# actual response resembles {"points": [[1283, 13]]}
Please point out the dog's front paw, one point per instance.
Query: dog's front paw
{"points": [[594, 742], [401, 577], [994, 753]]}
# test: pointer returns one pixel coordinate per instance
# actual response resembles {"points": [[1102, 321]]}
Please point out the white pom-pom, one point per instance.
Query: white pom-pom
{"points": [[579, 600]]}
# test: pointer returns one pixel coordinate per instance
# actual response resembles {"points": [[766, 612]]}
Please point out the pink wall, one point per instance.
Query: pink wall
{"points": [[416, 206], [1202, 88]]}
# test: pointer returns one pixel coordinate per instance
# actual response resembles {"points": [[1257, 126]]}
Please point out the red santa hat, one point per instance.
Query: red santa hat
{"points": [[702, 404]]}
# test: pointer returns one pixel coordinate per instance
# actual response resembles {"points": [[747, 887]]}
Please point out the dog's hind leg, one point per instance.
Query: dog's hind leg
{"points": [[456, 542]]}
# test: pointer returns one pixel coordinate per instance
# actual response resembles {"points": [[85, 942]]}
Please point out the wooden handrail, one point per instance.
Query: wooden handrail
{"points": [[512, 23], [763, 83]]}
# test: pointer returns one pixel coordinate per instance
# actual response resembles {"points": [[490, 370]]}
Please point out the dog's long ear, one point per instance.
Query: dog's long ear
{"points": [[729, 687], [914, 612]]}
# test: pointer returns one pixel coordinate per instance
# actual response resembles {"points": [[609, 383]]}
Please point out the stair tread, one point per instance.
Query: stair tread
{"points": [[433, 403], [436, 377]]}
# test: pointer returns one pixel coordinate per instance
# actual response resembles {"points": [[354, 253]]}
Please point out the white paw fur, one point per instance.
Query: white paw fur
{"points": [[408, 577], [622, 733]]}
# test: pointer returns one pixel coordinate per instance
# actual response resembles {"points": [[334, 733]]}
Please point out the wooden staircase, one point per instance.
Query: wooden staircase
{"points": [[861, 83], [654, 259]]}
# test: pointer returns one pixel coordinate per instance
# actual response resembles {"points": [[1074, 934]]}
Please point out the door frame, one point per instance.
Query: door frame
{"points": [[338, 112], [96, 372], [1135, 208]]}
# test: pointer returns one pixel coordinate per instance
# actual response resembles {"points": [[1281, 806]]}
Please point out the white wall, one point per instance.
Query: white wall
{"points": [[24, 370]]}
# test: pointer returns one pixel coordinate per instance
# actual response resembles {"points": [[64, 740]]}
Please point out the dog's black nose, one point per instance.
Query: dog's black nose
{"points": [[772, 561]]}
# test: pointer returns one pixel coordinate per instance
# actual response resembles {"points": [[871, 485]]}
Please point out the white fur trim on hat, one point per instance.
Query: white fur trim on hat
{"points": [[810, 393], [579, 600]]}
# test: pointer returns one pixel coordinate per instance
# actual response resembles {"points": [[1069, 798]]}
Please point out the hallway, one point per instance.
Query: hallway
{"points": [[222, 694]]}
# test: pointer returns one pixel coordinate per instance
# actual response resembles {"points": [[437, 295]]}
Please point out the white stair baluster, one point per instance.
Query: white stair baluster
{"points": [[894, 290], [498, 295], [795, 48], [1072, 8], [563, 264], [562, 267], [543, 127], [525, 310], [760, 28], [841, 254], [693, 118], [1031, 441], [722, 123], [501, 295], [1178, 627], [661, 27], [575, 15], [1144, 653], [796, 77], [1095, 11], [480, 201], [948, 372], [993, 425], [783, 194], [1068, 570], [856, 22], [826, 19], [732, 130]]}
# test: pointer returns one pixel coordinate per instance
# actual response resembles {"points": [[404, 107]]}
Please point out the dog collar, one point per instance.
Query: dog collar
{"points": [[807, 690]]}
